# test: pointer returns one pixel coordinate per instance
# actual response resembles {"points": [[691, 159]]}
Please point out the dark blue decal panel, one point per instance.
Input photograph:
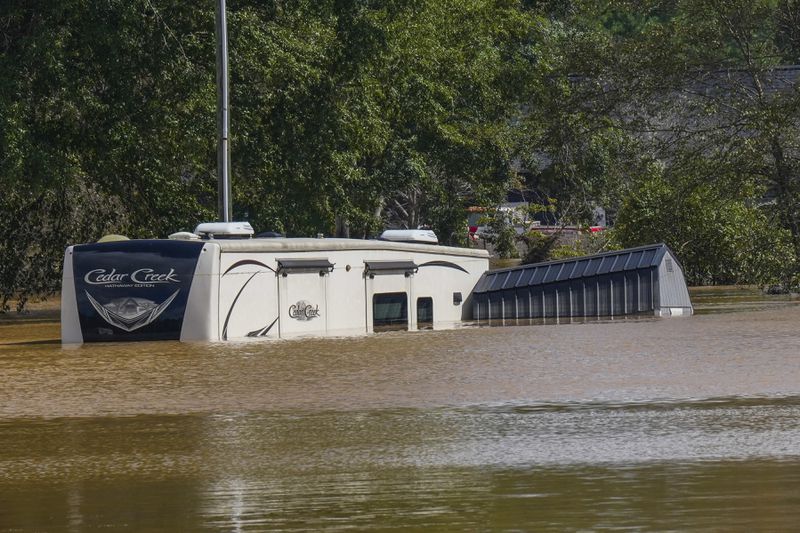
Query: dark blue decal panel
{"points": [[133, 290]]}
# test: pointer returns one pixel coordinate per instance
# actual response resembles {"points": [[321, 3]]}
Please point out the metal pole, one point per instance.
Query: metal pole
{"points": [[223, 150]]}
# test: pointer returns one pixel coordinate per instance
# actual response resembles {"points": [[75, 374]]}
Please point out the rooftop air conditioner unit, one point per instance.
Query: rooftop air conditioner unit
{"points": [[421, 236], [224, 230]]}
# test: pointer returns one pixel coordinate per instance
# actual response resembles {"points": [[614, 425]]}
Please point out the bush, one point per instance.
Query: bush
{"points": [[719, 238]]}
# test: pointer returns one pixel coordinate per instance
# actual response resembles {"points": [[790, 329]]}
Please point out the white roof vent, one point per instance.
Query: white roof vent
{"points": [[224, 230], [423, 236]]}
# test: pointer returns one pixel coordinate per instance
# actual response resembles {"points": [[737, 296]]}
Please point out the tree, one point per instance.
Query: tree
{"points": [[720, 237], [378, 113], [695, 90], [102, 128], [359, 113]]}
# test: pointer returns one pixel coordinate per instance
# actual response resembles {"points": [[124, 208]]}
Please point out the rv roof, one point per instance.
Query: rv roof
{"points": [[305, 244]]}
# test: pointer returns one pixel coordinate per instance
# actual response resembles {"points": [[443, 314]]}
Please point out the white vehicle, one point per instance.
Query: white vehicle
{"points": [[188, 288]]}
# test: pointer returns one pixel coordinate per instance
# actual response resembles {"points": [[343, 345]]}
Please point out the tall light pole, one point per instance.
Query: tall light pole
{"points": [[223, 150]]}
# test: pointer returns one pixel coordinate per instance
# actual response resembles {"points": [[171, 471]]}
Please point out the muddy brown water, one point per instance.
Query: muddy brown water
{"points": [[643, 424]]}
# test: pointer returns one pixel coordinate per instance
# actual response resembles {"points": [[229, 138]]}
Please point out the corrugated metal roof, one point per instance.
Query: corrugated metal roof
{"points": [[569, 269]]}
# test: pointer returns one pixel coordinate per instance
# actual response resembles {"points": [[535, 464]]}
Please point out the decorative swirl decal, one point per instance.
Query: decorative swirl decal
{"points": [[238, 264], [263, 331], [446, 264], [247, 262], [233, 304]]}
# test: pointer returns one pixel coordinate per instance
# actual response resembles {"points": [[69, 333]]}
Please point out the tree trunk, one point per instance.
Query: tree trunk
{"points": [[342, 227]]}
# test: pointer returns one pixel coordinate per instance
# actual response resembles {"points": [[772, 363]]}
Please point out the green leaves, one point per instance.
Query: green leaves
{"points": [[685, 130], [720, 238], [348, 116]]}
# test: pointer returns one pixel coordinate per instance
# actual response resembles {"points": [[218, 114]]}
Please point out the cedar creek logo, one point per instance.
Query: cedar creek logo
{"points": [[303, 310], [130, 313], [141, 277]]}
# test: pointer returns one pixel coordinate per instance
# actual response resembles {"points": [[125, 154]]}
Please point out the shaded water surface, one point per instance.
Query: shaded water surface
{"points": [[649, 424]]}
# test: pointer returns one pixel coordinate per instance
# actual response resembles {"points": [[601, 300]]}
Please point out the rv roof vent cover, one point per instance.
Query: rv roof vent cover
{"points": [[424, 236], [113, 237], [184, 236], [224, 230]]}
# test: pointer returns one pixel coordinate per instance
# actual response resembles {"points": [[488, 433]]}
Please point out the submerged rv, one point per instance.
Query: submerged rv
{"points": [[218, 288], [213, 286]]}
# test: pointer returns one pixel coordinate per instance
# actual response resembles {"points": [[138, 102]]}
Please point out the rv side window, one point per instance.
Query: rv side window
{"points": [[425, 313], [390, 311]]}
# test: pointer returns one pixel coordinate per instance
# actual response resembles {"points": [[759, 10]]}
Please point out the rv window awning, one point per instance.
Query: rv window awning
{"points": [[304, 265], [390, 266]]}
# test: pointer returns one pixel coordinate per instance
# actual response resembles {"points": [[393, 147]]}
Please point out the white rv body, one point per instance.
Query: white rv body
{"points": [[228, 289]]}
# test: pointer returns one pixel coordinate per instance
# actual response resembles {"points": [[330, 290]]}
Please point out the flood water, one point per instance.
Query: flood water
{"points": [[643, 424]]}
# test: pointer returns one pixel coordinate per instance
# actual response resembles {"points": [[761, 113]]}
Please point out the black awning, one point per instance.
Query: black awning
{"points": [[304, 265], [390, 266]]}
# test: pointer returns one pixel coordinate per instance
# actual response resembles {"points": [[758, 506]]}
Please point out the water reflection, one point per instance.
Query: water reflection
{"points": [[642, 424], [719, 463]]}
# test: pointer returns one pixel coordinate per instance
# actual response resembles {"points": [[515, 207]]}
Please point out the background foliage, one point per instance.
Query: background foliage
{"points": [[679, 117]]}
